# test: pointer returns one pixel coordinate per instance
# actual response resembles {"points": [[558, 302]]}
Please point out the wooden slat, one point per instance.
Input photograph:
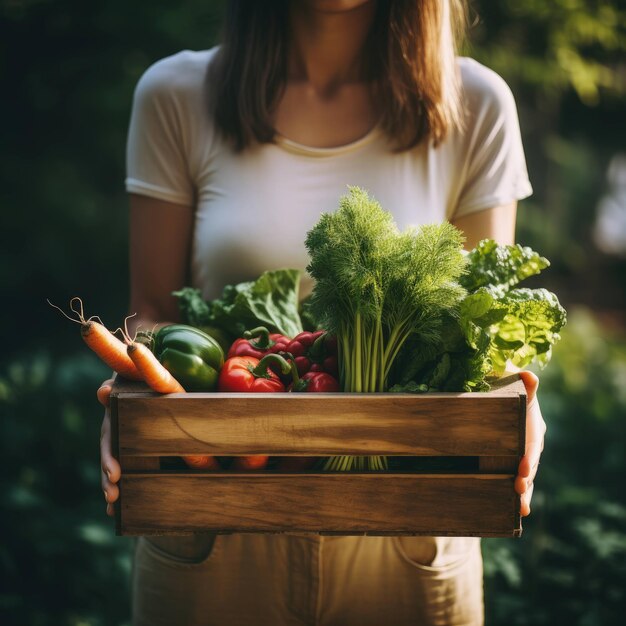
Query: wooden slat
{"points": [[508, 464], [322, 424], [498, 464], [454, 505], [489, 425], [140, 462]]}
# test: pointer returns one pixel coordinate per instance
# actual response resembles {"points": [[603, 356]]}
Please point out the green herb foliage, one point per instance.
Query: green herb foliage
{"points": [[376, 287]]}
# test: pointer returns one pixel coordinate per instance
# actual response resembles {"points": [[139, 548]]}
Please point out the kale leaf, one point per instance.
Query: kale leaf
{"points": [[270, 301]]}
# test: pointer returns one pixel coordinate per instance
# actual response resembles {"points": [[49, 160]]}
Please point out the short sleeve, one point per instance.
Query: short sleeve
{"points": [[157, 161], [495, 168]]}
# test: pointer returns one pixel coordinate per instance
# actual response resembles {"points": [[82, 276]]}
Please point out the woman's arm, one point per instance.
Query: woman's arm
{"points": [[499, 224], [160, 243], [160, 236]]}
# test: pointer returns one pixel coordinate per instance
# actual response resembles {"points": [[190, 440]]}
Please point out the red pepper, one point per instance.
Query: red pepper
{"points": [[314, 352], [316, 382], [257, 343], [248, 374]]}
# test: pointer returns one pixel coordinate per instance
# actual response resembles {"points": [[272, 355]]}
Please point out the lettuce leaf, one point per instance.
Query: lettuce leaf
{"points": [[527, 331], [492, 325], [500, 267], [270, 301]]}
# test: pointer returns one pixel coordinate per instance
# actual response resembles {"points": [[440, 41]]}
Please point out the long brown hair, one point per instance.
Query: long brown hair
{"points": [[410, 60]]}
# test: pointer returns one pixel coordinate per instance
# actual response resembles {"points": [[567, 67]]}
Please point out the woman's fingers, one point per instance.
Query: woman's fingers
{"points": [[525, 501], [528, 466], [530, 461], [111, 470], [110, 465], [104, 392], [535, 431], [110, 491]]}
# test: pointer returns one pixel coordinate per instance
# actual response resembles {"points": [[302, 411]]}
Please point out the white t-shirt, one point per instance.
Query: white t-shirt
{"points": [[253, 209]]}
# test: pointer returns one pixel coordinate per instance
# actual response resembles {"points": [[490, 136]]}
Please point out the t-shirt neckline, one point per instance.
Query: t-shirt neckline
{"points": [[299, 148]]}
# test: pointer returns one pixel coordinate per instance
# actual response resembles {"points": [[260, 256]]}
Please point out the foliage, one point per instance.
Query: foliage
{"points": [[490, 327], [62, 564], [570, 565], [270, 301], [375, 287], [500, 267], [555, 45]]}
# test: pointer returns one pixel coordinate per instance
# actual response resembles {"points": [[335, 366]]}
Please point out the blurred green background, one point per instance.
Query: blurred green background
{"points": [[68, 72]]}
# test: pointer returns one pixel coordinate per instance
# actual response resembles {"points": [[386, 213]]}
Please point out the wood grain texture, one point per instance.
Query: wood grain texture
{"points": [[460, 424], [489, 425], [455, 505], [497, 464]]}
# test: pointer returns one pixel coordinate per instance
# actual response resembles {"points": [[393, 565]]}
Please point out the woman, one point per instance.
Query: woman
{"points": [[232, 155]]}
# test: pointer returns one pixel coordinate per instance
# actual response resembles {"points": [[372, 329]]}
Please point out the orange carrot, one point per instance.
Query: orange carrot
{"points": [[104, 343], [152, 372], [158, 378], [110, 349]]}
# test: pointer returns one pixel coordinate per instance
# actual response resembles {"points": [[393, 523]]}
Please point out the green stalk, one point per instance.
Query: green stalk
{"points": [[364, 370], [364, 357], [395, 353], [391, 342], [345, 360], [357, 353], [376, 352]]}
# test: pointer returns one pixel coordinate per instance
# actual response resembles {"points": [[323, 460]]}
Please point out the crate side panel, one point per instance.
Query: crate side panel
{"points": [[322, 424], [342, 503]]}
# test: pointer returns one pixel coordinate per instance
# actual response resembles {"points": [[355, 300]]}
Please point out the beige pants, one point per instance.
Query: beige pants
{"points": [[298, 580]]}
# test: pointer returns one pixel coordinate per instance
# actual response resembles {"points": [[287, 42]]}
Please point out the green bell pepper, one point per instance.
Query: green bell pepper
{"points": [[191, 356]]}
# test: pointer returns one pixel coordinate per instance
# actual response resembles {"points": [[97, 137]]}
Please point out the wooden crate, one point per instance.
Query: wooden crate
{"points": [[488, 428]]}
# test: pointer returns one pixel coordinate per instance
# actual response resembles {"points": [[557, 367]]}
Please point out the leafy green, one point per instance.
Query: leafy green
{"points": [[528, 330], [500, 267], [195, 310], [376, 287], [271, 301], [491, 327]]}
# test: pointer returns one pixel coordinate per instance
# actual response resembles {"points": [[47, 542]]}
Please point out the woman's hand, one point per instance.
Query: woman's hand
{"points": [[535, 431], [111, 470]]}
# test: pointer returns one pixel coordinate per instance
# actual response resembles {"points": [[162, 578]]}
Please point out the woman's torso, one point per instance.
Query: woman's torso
{"points": [[254, 208]]}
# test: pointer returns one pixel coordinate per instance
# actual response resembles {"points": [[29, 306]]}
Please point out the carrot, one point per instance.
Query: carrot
{"points": [[159, 379], [103, 342], [152, 372]]}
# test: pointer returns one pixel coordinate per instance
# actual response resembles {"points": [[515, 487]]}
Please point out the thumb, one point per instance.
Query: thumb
{"points": [[104, 392], [531, 382]]}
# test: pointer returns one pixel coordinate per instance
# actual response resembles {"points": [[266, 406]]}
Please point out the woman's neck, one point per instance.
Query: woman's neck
{"points": [[327, 42]]}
